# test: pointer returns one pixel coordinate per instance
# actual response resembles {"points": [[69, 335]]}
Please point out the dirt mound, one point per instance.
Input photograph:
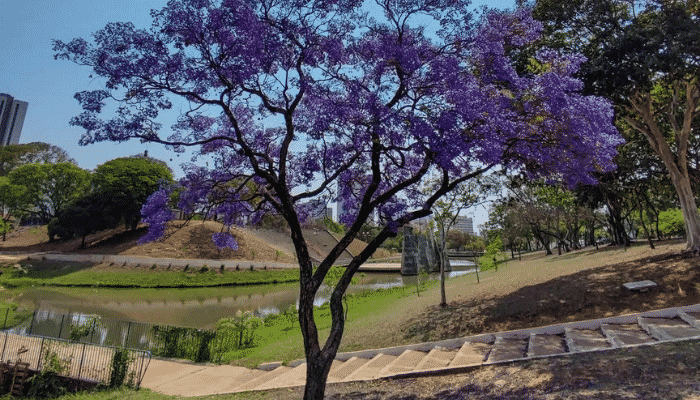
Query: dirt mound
{"points": [[187, 240], [183, 240]]}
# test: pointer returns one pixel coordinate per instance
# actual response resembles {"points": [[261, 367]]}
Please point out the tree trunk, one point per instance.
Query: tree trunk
{"points": [[676, 163], [644, 226], [443, 260], [690, 213]]}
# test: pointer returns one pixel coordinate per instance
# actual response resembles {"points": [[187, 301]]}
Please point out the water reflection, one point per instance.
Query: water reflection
{"points": [[200, 307]]}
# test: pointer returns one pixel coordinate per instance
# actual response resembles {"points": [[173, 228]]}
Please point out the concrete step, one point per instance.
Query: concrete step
{"points": [[162, 373], [578, 340], [205, 381], [405, 362], [668, 328], [471, 353], [691, 318], [370, 369], [233, 382], [545, 345], [507, 349], [294, 377], [345, 369], [267, 376], [436, 358], [621, 335]]}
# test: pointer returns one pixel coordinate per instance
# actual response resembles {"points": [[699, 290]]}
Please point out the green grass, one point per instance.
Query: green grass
{"points": [[280, 340], [14, 316], [61, 274]]}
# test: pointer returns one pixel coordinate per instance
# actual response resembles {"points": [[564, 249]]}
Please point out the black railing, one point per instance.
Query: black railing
{"points": [[84, 361], [198, 345]]}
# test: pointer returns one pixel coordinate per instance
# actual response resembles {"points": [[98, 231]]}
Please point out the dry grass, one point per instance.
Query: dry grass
{"points": [[191, 240]]}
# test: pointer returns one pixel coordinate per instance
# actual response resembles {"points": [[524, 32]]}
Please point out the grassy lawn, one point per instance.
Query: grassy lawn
{"points": [[56, 273], [10, 315], [280, 339]]}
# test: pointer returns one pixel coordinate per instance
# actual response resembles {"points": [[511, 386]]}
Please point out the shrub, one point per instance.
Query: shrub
{"points": [[671, 222], [119, 367], [239, 330]]}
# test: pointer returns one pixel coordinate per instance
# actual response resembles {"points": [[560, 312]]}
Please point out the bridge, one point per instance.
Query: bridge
{"points": [[465, 254], [420, 253]]}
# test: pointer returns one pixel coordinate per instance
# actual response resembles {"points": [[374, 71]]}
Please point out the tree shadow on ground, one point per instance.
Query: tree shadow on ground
{"points": [[588, 294]]}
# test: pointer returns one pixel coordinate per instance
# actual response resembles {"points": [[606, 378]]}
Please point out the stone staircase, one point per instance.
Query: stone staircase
{"points": [[646, 328]]}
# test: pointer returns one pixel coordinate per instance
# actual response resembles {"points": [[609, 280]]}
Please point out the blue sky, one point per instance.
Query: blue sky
{"points": [[29, 73]]}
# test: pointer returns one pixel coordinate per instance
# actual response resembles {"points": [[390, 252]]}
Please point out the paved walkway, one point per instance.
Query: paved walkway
{"points": [[453, 355], [177, 262]]}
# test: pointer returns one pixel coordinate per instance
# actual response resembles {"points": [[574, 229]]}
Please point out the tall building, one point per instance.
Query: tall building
{"points": [[12, 114], [464, 224]]}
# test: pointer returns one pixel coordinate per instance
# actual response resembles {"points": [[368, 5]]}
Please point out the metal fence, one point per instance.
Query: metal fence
{"points": [[84, 361], [161, 340]]}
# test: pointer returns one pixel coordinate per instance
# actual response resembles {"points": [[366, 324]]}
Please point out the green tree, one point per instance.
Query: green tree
{"points": [[128, 181], [16, 155], [10, 196], [48, 188], [671, 222], [646, 61], [446, 211], [91, 213]]}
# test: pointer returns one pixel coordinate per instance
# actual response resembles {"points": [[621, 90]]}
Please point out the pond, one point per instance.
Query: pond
{"points": [[199, 307]]}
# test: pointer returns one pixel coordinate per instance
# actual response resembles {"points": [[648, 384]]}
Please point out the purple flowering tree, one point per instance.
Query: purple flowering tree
{"points": [[304, 100]]}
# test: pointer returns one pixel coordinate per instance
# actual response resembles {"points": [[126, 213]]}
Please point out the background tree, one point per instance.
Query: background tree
{"points": [[128, 181], [305, 97], [48, 188], [644, 56], [10, 196], [16, 155], [45, 153], [447, 210], [90, 213]]}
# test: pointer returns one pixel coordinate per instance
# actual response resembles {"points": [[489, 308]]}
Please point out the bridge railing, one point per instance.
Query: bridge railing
{"points": [[465, 253]]}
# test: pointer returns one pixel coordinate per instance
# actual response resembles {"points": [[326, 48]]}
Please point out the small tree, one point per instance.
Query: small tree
{"points": [[447, 210]]}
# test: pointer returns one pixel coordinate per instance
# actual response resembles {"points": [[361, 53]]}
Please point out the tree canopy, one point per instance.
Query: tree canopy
{"points": [[47, 188], [129, 181], [644, 56], [16, 155], [312, 99]]}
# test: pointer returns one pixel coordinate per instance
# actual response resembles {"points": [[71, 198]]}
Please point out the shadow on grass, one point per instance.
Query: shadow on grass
{"points": [[47, 269], [588, 294]]}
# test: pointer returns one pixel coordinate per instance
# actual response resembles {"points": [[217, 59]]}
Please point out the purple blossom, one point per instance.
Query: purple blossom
{"points": [[156, 213], [224, 240]]}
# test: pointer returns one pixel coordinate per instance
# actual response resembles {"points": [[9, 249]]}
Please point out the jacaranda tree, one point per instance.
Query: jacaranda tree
{"points": [[305, 100]]}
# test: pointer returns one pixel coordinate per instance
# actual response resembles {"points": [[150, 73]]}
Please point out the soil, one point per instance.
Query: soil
{"points": [[183, 240], [662, 372], [588, 293]]}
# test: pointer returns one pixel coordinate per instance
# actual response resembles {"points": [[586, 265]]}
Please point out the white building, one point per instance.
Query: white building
{"points": [[464, 224], [12, 114]]}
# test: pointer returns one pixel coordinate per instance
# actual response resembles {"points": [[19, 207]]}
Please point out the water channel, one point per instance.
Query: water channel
{"points": [[199, 307]]}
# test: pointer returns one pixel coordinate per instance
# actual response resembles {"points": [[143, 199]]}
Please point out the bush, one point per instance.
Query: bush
{"points": [[671, 222], [47, 383], [238, 331], [119, 367]]}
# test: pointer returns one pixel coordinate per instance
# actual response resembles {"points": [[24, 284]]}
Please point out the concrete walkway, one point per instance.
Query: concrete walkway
{"points": [[453, 355], [176, 262]]}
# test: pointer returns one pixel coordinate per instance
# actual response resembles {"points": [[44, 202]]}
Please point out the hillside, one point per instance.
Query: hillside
{"points": [[183, 240]]}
